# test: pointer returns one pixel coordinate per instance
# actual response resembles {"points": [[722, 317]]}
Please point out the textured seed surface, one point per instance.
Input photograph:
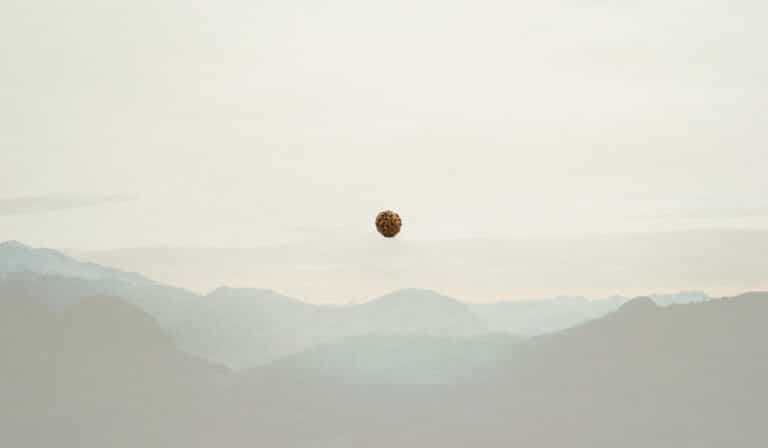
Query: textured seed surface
{"points": [[388, 223]]}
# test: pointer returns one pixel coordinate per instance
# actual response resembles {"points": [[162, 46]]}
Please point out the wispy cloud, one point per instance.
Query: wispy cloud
{"points": [[320, 229], [40, 204], [728, 213], [712, 213]]}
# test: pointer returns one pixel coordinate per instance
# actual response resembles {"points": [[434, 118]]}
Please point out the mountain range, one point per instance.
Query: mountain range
{"points": [[243, 328], [102, 372], [644, 375]]}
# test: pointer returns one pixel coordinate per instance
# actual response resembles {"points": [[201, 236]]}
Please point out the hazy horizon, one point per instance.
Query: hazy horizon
{"points": [[255, 123], [345, 269]]}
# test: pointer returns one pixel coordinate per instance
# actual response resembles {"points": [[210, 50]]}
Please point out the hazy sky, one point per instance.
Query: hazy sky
{"points": [[247, 122]]}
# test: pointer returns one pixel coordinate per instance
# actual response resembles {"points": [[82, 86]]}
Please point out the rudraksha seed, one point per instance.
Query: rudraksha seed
{"points": [[388, 223]]}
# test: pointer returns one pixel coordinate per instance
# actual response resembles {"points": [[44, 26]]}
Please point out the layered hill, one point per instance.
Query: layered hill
{"points": [[244, 328], [100, 371], [97, 373], [684, 375]]}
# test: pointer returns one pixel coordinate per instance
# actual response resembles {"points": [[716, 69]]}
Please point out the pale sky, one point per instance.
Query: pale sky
{"points": [[240, 123]]}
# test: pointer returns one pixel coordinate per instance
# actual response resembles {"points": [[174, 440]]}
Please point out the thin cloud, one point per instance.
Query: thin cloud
{"points": [[319, 229], [41, 204], [714, 213], [728, 213]]}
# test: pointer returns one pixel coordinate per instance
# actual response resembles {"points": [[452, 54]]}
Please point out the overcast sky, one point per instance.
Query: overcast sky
{"points": [[236, 123]]}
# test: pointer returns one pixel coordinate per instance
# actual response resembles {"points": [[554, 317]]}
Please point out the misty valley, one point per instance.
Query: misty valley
{"points": [[92, 356]]}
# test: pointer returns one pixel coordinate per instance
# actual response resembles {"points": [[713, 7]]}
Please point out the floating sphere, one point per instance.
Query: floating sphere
{"points": [[388, 223]]}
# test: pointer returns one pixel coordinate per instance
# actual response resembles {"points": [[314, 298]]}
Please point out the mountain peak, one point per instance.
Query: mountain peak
{"points": [[250, 295], [415, 295], [751, 295], [415, 292], [417, 311], [638, 304], [16, 257], [13, 244], [228, 291]]}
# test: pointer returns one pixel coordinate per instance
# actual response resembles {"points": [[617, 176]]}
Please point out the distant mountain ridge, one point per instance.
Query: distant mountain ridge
{"points": [[645, 375], [247, 327], [17, 257], [342, 270], [101, 371], [534, 317]]}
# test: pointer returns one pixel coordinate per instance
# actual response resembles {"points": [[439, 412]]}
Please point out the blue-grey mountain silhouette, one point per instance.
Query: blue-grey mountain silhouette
{"points": [[96, 370]]}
